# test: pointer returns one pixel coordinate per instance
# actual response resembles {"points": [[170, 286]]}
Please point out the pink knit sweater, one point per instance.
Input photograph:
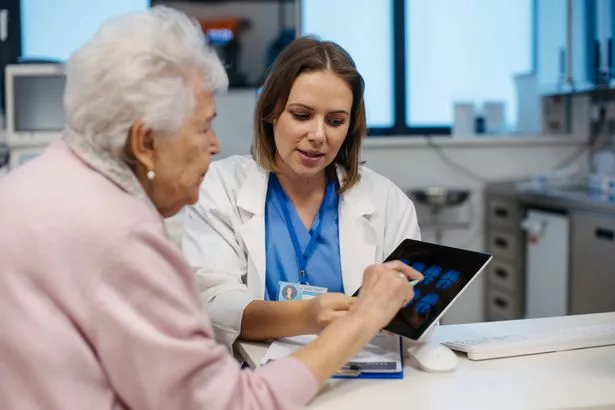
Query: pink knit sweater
{"points": [[98, 309]]}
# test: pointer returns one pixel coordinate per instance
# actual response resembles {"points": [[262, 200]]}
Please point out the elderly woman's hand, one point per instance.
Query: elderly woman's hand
{"points": [[385, 290]]}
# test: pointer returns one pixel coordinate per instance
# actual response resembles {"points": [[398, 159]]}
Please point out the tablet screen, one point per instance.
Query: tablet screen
{"points": [[447, 272]]}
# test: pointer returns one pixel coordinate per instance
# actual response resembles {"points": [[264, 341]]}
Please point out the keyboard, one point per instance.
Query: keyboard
{"points": [[493, 347]]}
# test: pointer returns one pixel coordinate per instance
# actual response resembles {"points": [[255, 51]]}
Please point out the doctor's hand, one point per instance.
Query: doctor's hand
{"points": [[385, 290], [325, 308]]}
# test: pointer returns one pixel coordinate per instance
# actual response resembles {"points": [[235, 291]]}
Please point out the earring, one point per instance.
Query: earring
{"points": [[151, 175]]}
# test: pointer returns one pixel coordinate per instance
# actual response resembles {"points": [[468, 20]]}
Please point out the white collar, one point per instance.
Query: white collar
{"points": [[253, 192]]}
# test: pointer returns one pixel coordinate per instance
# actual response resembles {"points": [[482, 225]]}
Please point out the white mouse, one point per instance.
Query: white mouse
{"points": [[433, 357]]}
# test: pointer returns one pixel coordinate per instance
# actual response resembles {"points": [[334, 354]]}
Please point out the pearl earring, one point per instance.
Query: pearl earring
{"points": [[151, 175]]}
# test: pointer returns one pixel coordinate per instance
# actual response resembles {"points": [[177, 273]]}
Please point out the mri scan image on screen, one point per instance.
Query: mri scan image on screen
{"points": [[447, 272]]}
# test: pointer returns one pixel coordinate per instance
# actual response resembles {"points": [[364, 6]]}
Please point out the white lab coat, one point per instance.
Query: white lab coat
{"points": [[224, 235]]}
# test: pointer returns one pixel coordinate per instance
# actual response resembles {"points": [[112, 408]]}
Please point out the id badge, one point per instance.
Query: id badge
{"points": [[298, 291]]}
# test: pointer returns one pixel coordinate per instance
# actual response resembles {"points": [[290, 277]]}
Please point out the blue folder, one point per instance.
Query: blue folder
{"points": [[355, 370]]}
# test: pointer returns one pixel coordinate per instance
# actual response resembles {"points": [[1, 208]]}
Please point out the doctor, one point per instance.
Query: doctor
{"points": [[301, 210]]}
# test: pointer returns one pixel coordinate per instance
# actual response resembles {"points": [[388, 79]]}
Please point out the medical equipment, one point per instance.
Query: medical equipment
{"points": [[34, 110]]}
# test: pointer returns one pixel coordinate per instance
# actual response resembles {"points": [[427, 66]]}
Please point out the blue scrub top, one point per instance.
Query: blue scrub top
{"points": [[323, 266]]}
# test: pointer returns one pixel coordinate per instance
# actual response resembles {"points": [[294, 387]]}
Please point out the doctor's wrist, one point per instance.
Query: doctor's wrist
{"points": [[308, 317]]}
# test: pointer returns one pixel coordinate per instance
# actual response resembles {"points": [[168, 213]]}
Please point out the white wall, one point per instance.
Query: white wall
{"points": [[410, 163]]}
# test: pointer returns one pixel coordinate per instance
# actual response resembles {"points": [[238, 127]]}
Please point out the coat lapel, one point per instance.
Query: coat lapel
{"points": [[251, 202], [358, 240], [357, 237]]}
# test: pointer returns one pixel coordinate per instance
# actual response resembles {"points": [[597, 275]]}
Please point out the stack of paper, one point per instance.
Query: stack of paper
{"points": [[381, 358]]}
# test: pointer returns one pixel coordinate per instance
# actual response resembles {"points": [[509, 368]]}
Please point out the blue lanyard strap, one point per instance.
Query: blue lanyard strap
{"points": [[302, 257]]}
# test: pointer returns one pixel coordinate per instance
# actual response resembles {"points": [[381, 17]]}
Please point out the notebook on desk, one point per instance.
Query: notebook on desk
{"points": [[382, 358]]}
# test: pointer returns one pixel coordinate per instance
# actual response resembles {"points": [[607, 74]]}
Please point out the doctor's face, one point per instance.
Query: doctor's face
{"points": [[314, 123]]}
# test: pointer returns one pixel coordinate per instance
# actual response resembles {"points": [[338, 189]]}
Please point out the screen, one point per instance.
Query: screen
{"points": [[446, 273], [53, 30], [38, 103]]}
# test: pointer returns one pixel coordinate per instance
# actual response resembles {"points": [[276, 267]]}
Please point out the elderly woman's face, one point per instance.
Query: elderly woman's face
{"points": [[313, 126], [181, 160]]}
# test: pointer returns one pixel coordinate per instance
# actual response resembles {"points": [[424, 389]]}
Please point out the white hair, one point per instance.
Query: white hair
{"points": [[137, 67]]}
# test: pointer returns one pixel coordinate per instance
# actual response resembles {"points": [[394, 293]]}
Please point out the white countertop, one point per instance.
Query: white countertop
{"points": [[376, 142], [565, 380]]}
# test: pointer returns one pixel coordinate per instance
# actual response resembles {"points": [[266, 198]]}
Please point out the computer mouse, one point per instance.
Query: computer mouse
{"points": [[433, 357]]}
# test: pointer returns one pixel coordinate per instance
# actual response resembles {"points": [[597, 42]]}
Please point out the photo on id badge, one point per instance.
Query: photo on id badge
{"points": [[289, 291]]}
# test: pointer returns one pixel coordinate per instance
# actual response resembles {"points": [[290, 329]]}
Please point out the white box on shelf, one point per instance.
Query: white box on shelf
{"points": [[464, 119], [493, 113]]}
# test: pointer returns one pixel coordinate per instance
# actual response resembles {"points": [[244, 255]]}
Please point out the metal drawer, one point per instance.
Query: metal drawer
{"points": [[504, 244], [503, 213], [592, 287], [504, 275], [501, 305]]}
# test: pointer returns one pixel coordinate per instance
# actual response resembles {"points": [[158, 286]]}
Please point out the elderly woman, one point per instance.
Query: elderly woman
{"points": [[98, 309], [301, 210]]}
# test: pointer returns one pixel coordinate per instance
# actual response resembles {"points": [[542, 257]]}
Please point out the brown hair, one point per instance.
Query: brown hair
{"points": [[309, 54]]}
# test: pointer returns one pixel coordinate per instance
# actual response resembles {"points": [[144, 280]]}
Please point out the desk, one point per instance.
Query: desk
{"points": [[564, 380]]}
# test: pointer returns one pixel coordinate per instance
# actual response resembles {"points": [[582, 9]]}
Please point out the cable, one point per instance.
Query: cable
{"points": [[595, 132], [445, 158]]}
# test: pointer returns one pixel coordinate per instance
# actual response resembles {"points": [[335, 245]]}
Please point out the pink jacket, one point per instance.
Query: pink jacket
{"points": [[98, 309]]}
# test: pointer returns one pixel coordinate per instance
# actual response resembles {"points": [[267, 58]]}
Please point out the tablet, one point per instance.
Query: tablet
{"points": [[447, 272]]}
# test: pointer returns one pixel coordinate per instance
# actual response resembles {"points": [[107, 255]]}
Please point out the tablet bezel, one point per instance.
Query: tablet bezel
{"points": [[409, 242]]}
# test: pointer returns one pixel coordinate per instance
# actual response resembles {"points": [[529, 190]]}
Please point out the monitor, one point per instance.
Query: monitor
{"points": [[38, 103], [34, 103]]}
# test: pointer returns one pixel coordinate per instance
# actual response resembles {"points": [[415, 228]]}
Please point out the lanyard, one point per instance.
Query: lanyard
{"points": [[302, 257]]}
